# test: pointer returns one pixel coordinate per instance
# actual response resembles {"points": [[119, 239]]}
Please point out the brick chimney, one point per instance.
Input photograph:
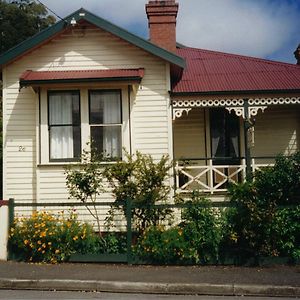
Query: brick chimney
{"points": [[162, 23], [297, 54]]}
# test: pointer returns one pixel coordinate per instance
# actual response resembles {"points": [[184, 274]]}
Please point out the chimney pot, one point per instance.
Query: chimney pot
{"points": [[297, 54]]}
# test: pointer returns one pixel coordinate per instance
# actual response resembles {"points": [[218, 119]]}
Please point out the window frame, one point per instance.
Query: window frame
{"points": [[79, 125], [107, 91]]}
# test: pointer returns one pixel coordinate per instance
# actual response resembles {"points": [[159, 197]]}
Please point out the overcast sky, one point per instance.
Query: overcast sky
{"points": [[261, 28]]}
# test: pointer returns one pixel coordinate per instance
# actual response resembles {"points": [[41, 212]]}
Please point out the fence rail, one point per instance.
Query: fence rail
{"points": [[127, 206]]}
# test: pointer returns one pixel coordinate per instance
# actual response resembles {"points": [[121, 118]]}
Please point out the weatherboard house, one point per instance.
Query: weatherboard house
{"points": [[216, 115]]}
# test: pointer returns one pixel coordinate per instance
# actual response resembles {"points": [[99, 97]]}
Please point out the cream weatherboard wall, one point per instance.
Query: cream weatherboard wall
{"points": [[277, 130], [27, 174]]}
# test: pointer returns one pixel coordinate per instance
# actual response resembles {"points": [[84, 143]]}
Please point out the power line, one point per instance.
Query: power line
{"points": [[51, 11]]}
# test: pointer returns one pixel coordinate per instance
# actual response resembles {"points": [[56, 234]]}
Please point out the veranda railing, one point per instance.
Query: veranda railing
{"points": [[212, 175]]}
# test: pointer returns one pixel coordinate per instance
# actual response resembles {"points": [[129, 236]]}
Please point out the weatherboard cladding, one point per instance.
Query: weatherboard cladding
{"points": [[211, 71]]}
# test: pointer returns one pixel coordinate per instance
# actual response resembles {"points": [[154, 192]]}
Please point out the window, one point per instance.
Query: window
{"points": [[225, 132], [64, 125], [106, 122]]}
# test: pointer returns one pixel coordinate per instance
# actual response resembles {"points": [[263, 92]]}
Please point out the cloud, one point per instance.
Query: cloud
{"points": [[256, 27], [259, 28]]}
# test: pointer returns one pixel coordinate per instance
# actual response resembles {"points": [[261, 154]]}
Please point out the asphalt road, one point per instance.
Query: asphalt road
{"points": [[27, 294]]}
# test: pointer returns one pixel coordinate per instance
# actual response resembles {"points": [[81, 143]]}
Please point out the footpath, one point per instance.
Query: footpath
{"points": [[201, 280]]}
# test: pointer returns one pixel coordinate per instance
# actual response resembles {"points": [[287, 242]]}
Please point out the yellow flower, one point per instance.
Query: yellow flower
{"points": [[40, 249], [39, 242], [57, 251], [49, 243], [75, 238], [43, 234], [26, 242], [44, 245]]}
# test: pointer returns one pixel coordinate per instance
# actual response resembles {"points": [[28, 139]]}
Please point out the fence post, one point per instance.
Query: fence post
{"points": [[129, 230], [11, 212]]}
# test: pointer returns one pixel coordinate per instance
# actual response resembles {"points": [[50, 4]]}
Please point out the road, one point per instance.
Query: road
{"points": [[26, 294]]}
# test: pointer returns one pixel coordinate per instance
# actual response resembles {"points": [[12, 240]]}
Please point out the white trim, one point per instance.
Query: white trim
{"points": [[177, 112], [236, 105], [4, 209], [274, 101], [85, 126], [4, 134], [208, 103]]}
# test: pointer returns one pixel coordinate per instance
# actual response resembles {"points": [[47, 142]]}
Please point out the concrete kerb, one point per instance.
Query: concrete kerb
{"points": [[150, 288]]}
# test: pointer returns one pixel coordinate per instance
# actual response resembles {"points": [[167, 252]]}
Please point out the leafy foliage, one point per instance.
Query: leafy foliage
{"points": [[141, 180], [21, 19], [256, 221], [164, 246], [195, 240], [201, 228], [84, 182], [44, 237]]}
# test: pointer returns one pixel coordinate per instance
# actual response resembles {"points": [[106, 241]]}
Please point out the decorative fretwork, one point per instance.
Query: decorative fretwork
{"points": [[239, 111], [274, 101], [232, 105], [177, 112], [252, 111], [208, 103]]}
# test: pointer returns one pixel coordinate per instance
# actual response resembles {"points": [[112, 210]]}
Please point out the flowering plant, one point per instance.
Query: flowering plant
{"points": [[45, 237]]}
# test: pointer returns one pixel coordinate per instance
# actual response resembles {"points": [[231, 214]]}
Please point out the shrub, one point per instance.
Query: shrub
{"points": [[44, 237], [164, 246], [258, 225], [113, 243], [84, 182], [195, 240], [280, 183], [141, 180], [201, 228], [287, 227]]}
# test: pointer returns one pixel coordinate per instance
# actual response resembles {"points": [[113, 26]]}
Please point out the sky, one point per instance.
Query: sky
{"points": [[261, 28]]}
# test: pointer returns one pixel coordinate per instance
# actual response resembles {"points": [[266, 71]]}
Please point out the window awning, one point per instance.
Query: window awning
{"points": [[34, 78]]}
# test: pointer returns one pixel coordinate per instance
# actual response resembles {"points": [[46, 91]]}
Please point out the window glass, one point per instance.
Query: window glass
{"points": [[224, 134], [106, 123], [64, 125]]}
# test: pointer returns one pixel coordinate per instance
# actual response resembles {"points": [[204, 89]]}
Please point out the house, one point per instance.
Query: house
{"points": [[217, 115]]}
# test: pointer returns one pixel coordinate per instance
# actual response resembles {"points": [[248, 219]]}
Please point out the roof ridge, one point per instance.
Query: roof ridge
{"points": [[245, 57], [83, 14]]}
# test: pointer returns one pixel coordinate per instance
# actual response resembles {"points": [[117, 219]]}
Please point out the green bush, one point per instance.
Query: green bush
{"points": [[195, 240], [256, 225], [44, 237], [287, 227], [113, 243], [201, 228], [164, 246], [143, 181]]}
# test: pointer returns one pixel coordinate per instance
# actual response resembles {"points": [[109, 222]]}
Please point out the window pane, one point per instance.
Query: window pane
{"points": [[105, 107], [224, 133], [64, 108], [61, 142], [107, 140], [64, 125]]}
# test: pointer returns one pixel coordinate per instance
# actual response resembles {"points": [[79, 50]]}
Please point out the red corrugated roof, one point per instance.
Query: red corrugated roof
{"points": [[211, 71], [31, 77]]}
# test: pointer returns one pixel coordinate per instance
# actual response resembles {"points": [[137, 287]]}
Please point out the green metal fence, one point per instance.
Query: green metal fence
{"points": [[128, 206]]}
